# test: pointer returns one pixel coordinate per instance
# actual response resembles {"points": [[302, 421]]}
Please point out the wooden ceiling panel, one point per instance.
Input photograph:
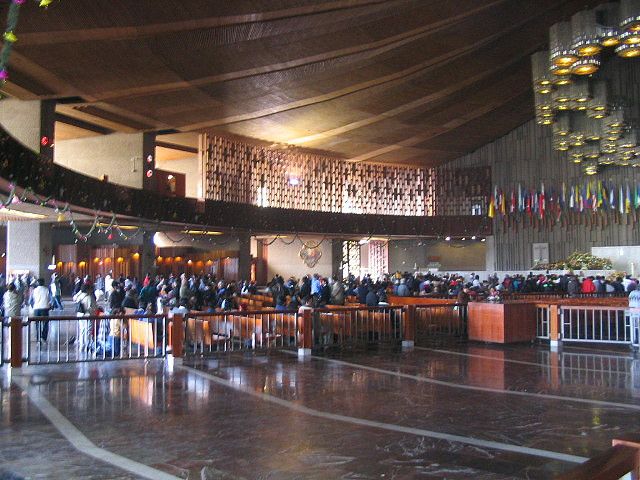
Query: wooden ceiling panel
{"points": [[394, 81]]}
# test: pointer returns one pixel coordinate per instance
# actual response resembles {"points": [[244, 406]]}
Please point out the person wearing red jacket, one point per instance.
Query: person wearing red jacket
{"points": [[588, 286]]}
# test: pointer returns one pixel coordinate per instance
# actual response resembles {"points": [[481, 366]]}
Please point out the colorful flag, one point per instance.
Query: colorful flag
{"points": [[627, 201], [621, 200], [492, 207], [572, 202]]}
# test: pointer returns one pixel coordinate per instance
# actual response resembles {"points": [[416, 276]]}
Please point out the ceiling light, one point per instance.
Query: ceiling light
{"points": [[586, 66], [561, 52], [584, 31]]}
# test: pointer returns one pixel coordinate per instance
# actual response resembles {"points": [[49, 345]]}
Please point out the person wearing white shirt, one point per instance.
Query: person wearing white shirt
{"points": [[41, 302]]}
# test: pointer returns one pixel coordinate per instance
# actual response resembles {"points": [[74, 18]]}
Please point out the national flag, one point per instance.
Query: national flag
{"points": [[612, 197], [563, 196], [521, 206], [512, 207], [492, 207], [627, 201], [600, 199], [572, 202], [621, 200], [636, 201], [503, 203]]}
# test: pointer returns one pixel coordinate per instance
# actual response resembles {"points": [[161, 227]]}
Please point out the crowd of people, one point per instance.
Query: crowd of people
{"points": [[183, 293]]}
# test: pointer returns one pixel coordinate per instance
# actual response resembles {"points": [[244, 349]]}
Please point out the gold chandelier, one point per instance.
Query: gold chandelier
{"points": [[586, 123]]}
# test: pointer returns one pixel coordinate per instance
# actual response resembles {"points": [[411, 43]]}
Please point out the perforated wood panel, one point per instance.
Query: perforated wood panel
{"points": [[242, 173]]}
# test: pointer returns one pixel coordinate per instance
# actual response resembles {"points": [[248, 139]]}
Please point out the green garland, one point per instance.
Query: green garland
{"points": [[9, 37]]}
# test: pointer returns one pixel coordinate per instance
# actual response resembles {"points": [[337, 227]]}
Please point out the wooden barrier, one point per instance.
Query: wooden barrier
{"points": [[621, 459]]}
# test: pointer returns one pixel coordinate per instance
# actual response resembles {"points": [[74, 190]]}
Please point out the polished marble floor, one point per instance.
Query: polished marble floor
{"points": [[465, 411]]}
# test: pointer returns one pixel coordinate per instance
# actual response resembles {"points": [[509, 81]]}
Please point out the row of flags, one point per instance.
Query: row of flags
{"points": [[591, 196]]}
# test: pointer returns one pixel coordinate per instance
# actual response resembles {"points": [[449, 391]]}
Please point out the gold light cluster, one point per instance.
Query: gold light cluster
{"points": [[586, 123]]}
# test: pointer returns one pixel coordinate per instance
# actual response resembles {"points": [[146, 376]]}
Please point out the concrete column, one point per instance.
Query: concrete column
{"points": [[148, 255], [490, 259], [29, 247], [149, 161], [244, 256], [336, 258], [47, 129]]}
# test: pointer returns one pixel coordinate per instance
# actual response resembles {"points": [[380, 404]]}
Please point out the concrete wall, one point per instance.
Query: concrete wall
{"points": [[624, 258], [409, 255], [188, 166], [285, 259], [21, 119], [29, 247], [526, 156], [113, 155]]}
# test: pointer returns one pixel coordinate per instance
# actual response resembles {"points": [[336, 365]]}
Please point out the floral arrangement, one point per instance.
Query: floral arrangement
{"points": [[577, 261]]}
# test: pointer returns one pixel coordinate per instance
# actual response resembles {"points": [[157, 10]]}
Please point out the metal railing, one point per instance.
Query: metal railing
{"points": [[440, 320], [350, 326], [543, 314], [4, 350], [48, 340], [597, 324], [239, 330]]}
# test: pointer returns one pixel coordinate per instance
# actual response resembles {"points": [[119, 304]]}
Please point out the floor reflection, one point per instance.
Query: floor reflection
{"points": [[181, 422]]}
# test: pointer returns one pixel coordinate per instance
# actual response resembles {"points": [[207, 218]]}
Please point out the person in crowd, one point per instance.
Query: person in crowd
{"points": [[315, 285], [588, 286], [361, 292], [403, 290], [116, 297], [281, 303], [617, 285], [41, 303], [494, 295], [463, 297], [337, 292], [325, 292], [130, 298], [573, 287], [12, 301], [371, 300], [56, 292], [86, 306]]}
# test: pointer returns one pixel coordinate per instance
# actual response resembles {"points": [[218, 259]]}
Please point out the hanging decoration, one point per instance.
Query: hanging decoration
{"points": [[587, 203], [9, 36], [572, 96]]}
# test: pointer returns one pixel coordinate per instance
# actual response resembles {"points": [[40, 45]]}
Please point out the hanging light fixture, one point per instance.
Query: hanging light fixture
{"points": [[561, 95], [579, 91], [584, 31], [586, 65], [562, 125], [629, 45], [543, 103], [576, 154], [629, 140], [561, 53], [593, 130], [630, 15], [608, 20], [608, 146], [591, 151], [616, 119], [606, 159], [542, 80], [598, 105], [591, 167]]}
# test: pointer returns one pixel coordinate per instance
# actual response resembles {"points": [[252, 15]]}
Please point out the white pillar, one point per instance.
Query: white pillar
{"points": [[29, 247]]}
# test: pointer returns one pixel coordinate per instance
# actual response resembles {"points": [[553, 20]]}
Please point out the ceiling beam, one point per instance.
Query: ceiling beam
{"points": [[67, 120], [174, 146]]}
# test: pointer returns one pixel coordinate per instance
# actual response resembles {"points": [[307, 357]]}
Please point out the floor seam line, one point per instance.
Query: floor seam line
{"points": [[387, 426], [601, 403], [82, 443]]}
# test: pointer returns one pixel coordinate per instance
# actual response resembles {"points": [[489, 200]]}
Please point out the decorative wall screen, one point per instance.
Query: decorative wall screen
{"points": [[242, 173], [378, 258], [462, 191]]}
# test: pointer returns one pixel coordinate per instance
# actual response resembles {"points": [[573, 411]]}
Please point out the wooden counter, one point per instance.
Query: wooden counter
{"points": [[502, 322]]}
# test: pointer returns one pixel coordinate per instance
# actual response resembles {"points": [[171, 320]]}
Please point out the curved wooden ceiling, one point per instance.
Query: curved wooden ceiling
{"points": [[396, 81]]}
